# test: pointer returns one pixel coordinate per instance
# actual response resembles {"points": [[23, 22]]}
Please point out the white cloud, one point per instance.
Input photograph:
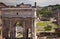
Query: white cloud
{"points": [[46, 2], [7, 0], [39, 2]]}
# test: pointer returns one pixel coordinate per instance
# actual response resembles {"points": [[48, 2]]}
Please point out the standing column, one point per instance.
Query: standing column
{"points": [[5, 30], [24, 30], [11, 31], [58, 20], [10, 28], [14, 31], [33, 30]]}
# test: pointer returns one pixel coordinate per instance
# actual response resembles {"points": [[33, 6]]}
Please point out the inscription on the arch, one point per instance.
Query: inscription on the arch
{"points": [[17, 12]]}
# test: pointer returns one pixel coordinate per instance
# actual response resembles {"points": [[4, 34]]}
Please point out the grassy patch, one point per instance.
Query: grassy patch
{"points": [[43, 23]]}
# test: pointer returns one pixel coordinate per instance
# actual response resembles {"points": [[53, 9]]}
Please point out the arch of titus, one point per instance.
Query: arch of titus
{"points": [[23, 13]]}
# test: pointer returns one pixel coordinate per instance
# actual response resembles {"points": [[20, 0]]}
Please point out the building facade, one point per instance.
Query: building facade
{"points": [[23, 13]]}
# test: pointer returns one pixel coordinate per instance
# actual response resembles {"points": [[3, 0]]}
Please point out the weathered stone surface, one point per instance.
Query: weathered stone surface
{"points": [[23, 14]]}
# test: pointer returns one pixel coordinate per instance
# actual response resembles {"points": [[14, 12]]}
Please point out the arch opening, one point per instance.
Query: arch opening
{"points": [[19, 30]]}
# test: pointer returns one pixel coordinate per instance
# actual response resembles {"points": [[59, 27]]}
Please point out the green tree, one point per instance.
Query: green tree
{"points": [[55, 7], [44, 13]]}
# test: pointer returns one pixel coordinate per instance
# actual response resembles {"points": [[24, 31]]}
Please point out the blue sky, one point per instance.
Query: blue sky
{"points": [[39, 2]]}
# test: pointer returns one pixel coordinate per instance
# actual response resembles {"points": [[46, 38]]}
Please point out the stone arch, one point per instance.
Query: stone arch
{"points": [[10, 17], [15, 27]]}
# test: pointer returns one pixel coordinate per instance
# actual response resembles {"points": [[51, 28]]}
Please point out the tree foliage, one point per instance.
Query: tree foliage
{"points": [[44, 13], [54, 7]]}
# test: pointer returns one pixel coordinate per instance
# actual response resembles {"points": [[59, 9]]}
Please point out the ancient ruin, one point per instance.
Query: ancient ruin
{"points": [[24, 14]]}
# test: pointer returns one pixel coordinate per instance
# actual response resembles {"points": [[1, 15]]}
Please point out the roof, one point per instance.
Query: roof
{"points": [[3, 4]]}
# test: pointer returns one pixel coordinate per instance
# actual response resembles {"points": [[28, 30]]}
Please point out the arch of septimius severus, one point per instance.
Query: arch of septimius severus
{"points": [[23, 13]]}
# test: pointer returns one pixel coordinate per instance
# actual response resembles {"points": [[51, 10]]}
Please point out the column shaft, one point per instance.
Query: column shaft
{"points": [[24, 30], [33, 30], [11, 30]]}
